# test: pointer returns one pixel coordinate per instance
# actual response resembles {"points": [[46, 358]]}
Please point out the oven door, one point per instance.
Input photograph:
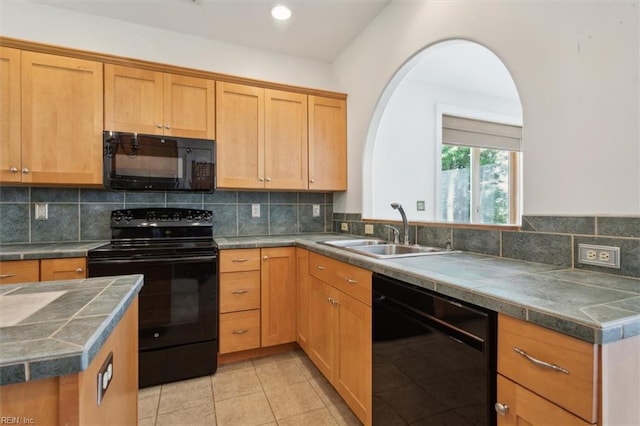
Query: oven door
{"points": [[178, 302]]}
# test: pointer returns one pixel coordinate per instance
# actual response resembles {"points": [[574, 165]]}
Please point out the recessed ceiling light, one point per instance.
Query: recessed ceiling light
{"points": [[281, 12]]}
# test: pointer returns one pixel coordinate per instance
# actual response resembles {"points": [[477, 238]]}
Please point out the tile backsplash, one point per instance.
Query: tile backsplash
{"points": [[545, 239], [79, 214]]}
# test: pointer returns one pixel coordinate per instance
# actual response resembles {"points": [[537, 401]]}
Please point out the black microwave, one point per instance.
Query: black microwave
{"points": [[158, 163]]}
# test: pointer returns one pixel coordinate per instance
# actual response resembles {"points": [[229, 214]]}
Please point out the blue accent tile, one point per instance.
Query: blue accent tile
{"points": [[14, 223], [184, 199], [253, 197], [55, 195], [224, 219], [10, 194], [585, 225], [477, 241], [308, 223], [248, 225], [101, 196], [283, 197], [62, 224], [283, 219], [95, 221], [553, 249], [221, 197], [10, 374], [619, 226], [154, 198]]}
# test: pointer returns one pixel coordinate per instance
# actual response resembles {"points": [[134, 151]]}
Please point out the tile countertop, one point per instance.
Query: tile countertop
{"points": [[592, 306], [56, 328]]}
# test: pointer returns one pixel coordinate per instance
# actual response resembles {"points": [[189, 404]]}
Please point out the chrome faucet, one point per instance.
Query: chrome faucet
{"points": [[405, 223]]}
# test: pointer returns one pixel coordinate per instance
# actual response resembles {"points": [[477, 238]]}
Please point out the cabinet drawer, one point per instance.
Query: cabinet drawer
{"points": [[19, 271], [575, 389], [63, 269], [239, 331], [239, 291], [239, 260], [347, 278]]}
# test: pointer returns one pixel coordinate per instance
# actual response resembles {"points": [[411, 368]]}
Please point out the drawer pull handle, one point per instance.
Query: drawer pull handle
{"points": [[541, 363], [79, 270], [240, 331], [7, 275], [320, 267], [501, 409], [351, 281], [239, 260], [239, 291]]}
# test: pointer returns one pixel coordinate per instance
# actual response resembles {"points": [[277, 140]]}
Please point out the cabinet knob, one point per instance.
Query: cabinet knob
{"points": [[312, 180], [167, 126], [159, 126], [13, 170], [25, 170], [320, 267], [79, 270], [266, 257], [501, 409], [268, 179], [261, 179]]}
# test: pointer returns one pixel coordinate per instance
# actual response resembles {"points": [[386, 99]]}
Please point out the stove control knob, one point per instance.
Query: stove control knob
{"points": [[117, 218]]}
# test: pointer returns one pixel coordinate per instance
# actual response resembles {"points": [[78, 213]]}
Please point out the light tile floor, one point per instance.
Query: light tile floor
{"points": [[285, 389]]}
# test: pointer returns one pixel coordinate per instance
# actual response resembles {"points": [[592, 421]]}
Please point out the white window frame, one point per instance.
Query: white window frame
{"points": [[515, 161]]}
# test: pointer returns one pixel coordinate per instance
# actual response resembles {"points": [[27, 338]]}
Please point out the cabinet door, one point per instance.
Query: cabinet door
{"points": [[525, 408], [303, 292], [285, 152], [189, 107], [327, 144], [63, 269], [240, 136], [278, 306], [322, 325], [353, 366], [61, 119], [10, 162], [133, 100], [19, 271]]}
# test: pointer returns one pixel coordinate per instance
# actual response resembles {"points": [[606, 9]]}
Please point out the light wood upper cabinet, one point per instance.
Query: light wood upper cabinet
{"points": [[150, 102], [10, 143], [61, 129], [262, 138], [240, 140], [327, 144]]}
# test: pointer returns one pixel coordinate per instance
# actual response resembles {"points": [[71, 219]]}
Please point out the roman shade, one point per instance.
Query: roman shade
{"points": [[480, 134]]}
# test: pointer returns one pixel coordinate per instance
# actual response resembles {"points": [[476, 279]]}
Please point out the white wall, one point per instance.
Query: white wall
{"points": [[60, 27], [576, 67]]}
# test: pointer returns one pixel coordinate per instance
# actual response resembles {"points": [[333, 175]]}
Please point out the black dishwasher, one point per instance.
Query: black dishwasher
{"points": [[434, 357]]}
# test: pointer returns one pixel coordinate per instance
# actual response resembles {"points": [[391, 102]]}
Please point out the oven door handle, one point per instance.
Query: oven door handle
{"points": [[190, 259]]}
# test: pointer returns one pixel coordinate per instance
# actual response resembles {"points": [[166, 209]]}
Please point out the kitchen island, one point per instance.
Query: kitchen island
{"points": [[61, 341]]}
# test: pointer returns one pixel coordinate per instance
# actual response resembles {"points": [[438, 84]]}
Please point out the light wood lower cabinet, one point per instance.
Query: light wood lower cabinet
{"points": [[24, 271], [339, 333], [302, 303], [548, 378], [257, 298]]}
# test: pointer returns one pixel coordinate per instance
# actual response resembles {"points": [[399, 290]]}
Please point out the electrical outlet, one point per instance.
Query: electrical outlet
{"points": [[41, 211], [316, 210], [255, 210], [606, 256], [368, 229], [344, 226]]}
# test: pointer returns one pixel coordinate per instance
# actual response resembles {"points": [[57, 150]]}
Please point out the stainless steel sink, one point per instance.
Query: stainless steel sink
{"points": [[381, 249], [387, 251], [352, 243]]}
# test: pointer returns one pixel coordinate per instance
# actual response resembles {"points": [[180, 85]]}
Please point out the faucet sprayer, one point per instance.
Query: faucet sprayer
{"points": [[405, 223]]}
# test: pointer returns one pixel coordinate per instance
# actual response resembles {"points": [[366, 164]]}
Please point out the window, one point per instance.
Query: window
{"points": [[479, 179]]}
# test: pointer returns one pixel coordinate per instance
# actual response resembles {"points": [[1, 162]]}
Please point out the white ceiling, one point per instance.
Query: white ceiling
{"points": [[318, 30]]}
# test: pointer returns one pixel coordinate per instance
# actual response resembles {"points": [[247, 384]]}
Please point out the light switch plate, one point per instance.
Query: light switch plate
{"points": [[420, 206], [316, 210], [255, 210], [41, 211]]}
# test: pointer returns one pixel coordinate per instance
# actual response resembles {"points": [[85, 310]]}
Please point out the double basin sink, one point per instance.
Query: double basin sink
{"points": [[381, 249]]}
